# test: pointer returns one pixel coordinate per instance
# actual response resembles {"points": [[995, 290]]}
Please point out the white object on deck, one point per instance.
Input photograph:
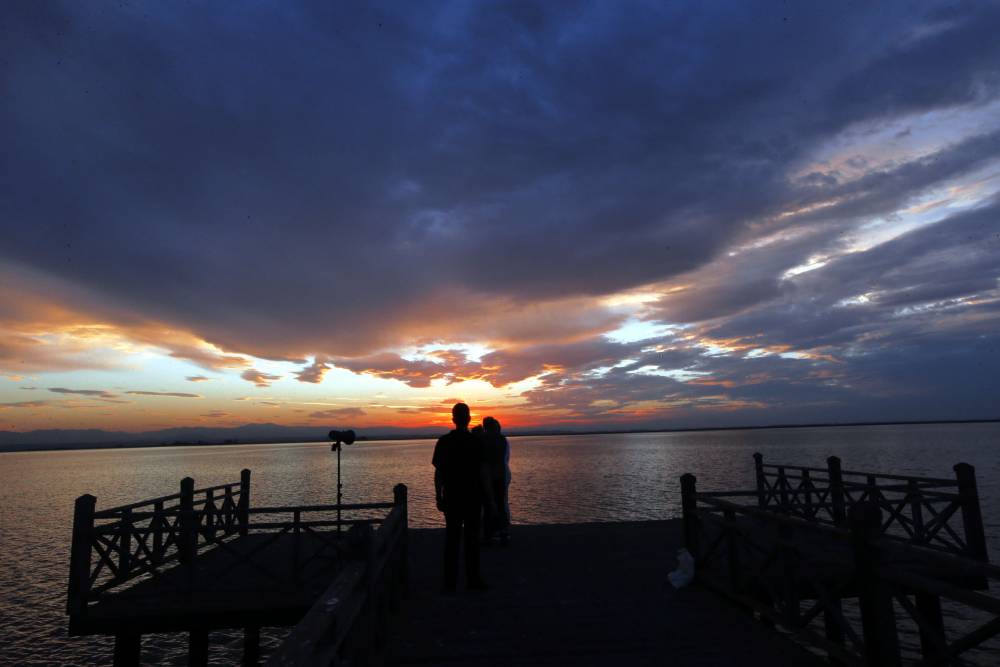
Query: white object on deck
{"points": [[684, 574]]}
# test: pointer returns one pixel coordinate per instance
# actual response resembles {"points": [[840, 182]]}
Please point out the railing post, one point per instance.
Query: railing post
{"points": [[878, 619], [400, 499], [807, 497], [243, 511], [689, 510], [210, 514], [872, 492], [916, 511], [156, 525], [839, 508], [972, 515], [758, 464], [125, 545], [186, 544], [782, 483], [79, 563]]}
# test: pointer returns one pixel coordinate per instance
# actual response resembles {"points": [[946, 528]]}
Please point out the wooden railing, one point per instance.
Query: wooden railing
{"points": [[937, 513], [844, 585], [348, 624], [113, 548]]}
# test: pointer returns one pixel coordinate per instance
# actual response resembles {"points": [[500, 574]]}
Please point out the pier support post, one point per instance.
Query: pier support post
{"points": [[689, 509], [188, 532], [128, 649], [932, 637], [972, 515], [758, 464], [243, 509], [251, 646], [838, 509], [198, 648], [79, 559], [878, 618], [832, 628]]}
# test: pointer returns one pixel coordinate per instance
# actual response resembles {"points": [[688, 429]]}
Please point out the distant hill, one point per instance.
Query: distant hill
{"points": [[189, 435], [276, 433]]}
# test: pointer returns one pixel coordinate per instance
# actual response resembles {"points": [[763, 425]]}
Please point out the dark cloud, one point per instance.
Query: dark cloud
{"points": [[258, 378], [315, 181], [97, 393], [174, 394], [197, 378], [584, 167]]}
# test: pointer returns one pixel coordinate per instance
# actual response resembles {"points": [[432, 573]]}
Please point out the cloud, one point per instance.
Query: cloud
{"points": [[314, 372], [175, 394], [258, 378], [563, 209], [337, 413], [24, 404], [207, 359], [197, 378], [821, 186], [100, 393], [68, 404]]}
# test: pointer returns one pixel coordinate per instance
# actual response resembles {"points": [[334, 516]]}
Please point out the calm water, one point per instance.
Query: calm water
{"points": [[555, 479]]}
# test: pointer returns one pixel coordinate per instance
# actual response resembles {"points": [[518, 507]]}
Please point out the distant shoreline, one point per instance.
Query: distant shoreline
{"points": [[49, 447]]}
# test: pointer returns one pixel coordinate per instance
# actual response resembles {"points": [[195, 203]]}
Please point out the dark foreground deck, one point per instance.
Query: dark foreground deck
{"points": [[582, 594]]}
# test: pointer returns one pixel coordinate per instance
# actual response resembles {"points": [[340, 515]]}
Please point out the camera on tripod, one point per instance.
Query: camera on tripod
{"points": [[341, 438]]}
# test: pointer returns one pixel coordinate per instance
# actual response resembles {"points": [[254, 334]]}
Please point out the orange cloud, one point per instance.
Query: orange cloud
{"points": [[259, 378]]}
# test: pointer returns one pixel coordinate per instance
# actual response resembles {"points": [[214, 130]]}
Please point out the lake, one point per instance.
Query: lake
{"points": [[556, 479]]}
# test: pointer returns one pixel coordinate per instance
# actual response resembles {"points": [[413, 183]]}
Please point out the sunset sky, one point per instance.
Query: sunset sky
{"points": [[573, 215]]}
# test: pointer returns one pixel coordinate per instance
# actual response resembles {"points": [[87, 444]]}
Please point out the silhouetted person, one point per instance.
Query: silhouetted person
{"points": [[497, 453], [460, 488]]}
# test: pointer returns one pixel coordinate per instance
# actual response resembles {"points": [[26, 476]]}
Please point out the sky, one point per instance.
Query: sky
{"points": [[569, 215]]}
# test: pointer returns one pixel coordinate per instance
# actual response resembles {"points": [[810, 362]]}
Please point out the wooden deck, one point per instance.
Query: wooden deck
{"points": [[582, 594], [252, 581]]}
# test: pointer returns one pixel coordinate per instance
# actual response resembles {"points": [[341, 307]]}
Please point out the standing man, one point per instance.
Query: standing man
{"points": [[460, 487]]}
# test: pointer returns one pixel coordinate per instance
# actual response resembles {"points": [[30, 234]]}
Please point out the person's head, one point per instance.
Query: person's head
{"points": [[491, 425], [461, 416]]}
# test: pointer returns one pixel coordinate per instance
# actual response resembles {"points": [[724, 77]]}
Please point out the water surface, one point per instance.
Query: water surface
{"points": [[556, 479]]}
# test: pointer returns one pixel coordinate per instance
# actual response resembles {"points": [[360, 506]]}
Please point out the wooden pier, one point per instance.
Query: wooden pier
{"points": [[844, 559], [205, 559]]}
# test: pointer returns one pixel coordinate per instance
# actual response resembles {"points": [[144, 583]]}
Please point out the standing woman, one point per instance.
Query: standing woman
{"points": [[498, 462]]}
